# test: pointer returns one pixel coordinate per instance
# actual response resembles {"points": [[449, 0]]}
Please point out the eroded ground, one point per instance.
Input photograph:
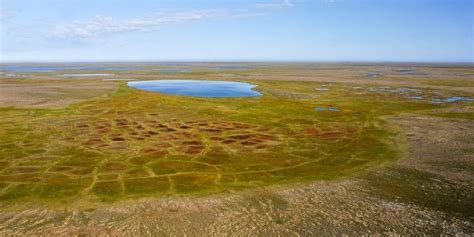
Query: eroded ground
{"points": [[387, 159]]}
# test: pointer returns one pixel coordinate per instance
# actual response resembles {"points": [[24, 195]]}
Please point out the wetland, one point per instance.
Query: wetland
{"points": [[264, 142]]}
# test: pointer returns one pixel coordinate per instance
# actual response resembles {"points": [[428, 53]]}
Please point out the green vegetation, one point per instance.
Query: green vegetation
{"points": [[135, 144], [423, 189], [455, 115]]}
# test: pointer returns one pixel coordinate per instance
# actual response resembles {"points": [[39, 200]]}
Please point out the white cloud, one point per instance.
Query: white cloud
{"points": [[103, 25], [282, 4], [7, 14]]}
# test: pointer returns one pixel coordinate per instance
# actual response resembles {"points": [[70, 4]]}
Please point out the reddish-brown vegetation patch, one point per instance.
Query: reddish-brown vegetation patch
{"points": [[107, 176], [117, 139], [60, 168], [113, 166], [82, 171], [155, 138], [331, 133]]}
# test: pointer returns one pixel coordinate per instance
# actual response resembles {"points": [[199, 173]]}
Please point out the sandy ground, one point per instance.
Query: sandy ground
{"points": [[435, 140]]}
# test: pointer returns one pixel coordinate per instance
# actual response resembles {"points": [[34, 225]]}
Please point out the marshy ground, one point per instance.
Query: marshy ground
{"points": [[327, 149]]}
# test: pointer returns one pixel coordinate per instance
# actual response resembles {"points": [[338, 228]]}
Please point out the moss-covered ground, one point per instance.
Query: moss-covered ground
{"points": [[133, 143]]}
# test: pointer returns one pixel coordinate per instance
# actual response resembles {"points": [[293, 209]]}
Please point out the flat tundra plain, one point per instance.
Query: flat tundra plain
{"points": [[328, 149]]}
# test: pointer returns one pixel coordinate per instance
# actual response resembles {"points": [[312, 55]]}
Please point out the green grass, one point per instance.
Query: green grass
{"points": [[138, 144]]}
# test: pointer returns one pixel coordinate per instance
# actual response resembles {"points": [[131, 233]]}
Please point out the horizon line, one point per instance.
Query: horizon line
{"points": [[237, 61]]}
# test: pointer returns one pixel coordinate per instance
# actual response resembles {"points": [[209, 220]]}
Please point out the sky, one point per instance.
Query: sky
{"points": [[241, 30]]}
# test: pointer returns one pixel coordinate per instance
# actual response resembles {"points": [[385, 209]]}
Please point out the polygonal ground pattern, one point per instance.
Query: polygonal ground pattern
{"points": [[127, 157], [130, 145]]}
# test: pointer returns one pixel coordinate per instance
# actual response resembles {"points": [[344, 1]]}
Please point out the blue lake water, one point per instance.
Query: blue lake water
{"points": [[327, 109], [416, 97], [230, 68], [451, 99], [409, 71], [373, 74], [174, 70], [199, 88]]}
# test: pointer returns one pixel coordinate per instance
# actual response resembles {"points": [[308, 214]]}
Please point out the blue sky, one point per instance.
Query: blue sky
{"points": [[264, 30]]}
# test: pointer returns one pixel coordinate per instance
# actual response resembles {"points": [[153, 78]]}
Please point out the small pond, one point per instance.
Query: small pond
{"points": [[173, 70], [333, 109], [409, 71], [451, 99], [199, 88], [373, 74], [230, 68]]}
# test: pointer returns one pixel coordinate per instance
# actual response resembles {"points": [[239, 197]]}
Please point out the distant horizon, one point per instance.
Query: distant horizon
{"points": [[236, 61]]}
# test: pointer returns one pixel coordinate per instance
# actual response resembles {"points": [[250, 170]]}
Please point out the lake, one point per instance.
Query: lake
{"points": [[198, 88], [174, 70], [451, 99], [333, 109]]}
